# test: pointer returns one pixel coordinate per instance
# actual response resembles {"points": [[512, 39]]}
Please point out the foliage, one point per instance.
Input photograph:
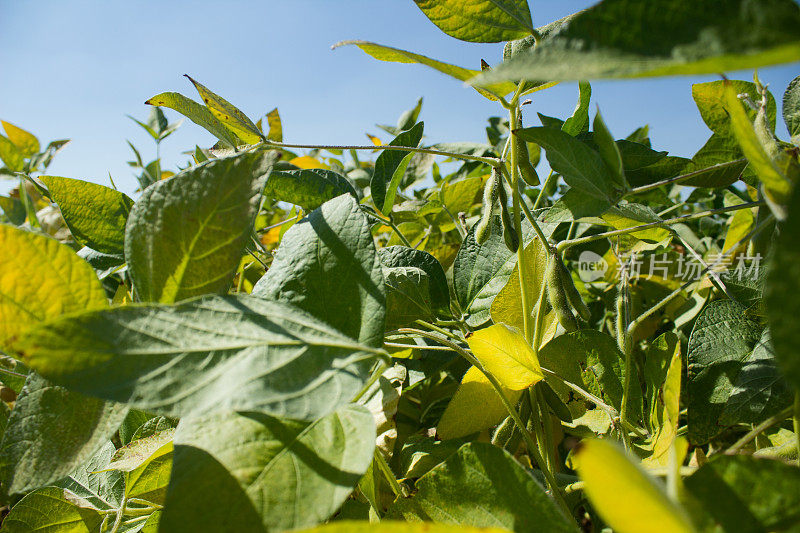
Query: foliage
{"points": [[285, 336]]}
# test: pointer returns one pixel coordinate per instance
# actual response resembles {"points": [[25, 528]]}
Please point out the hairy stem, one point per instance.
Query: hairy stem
{"points": [[763, 426]]}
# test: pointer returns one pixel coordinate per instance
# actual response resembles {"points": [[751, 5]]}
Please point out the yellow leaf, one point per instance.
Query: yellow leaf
{"points": [[624, 496], [475, 406], [306, 161], [41, 279], [376, 141], [503, 352], [228, 114], [507, 305], [740, 224], [389, 526], [27, 143], [667, 413]]}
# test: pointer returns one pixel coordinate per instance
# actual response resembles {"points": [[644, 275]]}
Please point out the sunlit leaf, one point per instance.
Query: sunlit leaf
{"points": [[504, 353]]}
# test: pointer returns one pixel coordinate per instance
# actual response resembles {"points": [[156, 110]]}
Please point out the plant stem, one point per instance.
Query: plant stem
{"points": [[492, 161], [532, 447], [388, 222], [528, 213], [796, 422], [376, 375], [766, 424], [540, 196], [120, 514], [437, 329], [684, 177], [563, 245], [388, 474]]}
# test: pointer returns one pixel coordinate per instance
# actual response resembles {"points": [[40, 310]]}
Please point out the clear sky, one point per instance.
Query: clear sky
{"points": [[74, 69]]}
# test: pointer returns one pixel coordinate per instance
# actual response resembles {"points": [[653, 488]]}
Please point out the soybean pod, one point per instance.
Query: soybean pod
{"points": [[557, 296], [491, 194], [573, 296], [526, 170], [509, 231]]}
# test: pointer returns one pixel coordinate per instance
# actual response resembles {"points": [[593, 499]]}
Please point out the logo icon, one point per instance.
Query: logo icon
{"points": [[591, 266]]}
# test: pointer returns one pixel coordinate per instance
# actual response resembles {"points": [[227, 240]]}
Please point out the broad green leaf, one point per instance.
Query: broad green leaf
{"points": [[206, 354], [631, 215], [26, 142], [657, 364], [578, 122], [52, 510], [186, 234], [308, 188], [710, 98], [625, 497], [132, 456], [402, 256], [41, 279], [389, 526], [195, 112], [480, 21], [10, 155], [732, 374], [396, 55], [581, 167], [628, 39], [666, 407], [13, 209], [327, 266], [776, 184], [483, 486], [104, 490], [228, 114], [253, 472], [474, 407], [743, 493], [504, 353], [149, 480], [791, 108], [783, 307], [576, 204], [407, 296], [476, 265], [95, 214], [409, 117], [592, 360], [275, 126], [385, 181], [51, 432]]}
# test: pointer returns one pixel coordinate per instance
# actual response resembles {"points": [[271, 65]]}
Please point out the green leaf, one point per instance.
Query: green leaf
{"points": [[791, 107], [308, 188], [480, 21], [504, 353], [390, 163], [10, 155], [228, 114], [402, 256], [26, 142], [195, 112], [609, 151], [592, 360], [631, 215], [395, 55], [210, 353], [783, 307], [581, 167], [388, 526], [52, 510], [508, 302], [95, 214], [41, 279], [13, 209], [483, 486], [627, 39], [104, 490], [327, 266], [275, 133], [253, 472], [407, 296], [476, 265], [608, 473], [51, 432], [578, 122], [732, 375], [186, 234], [743, 493]]}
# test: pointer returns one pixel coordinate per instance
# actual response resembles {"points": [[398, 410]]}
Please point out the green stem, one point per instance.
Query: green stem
{"points": [[376, 375], [120, 514], [528, 213], [540, 196], [766, 424], [532, 447], [563, 245], [492, 161], [388, 474], [438, 330]]}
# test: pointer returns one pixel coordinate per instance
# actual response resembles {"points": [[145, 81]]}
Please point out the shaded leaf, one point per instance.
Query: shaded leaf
{"points": [[308, 188]]}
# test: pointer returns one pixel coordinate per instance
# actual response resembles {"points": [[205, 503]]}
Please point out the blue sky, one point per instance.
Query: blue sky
{"points": [[75, 69]]}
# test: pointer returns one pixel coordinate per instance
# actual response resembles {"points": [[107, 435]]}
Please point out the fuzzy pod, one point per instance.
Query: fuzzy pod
{"points": [[623, 338], [526, 170], [558, 297], [504, 432], [573, 296], [491, 195], [509, 231]]}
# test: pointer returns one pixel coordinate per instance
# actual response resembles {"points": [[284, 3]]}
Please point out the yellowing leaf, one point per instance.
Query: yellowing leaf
{"points": [[307, 161], [389, 526], [667, 413], [503, 352], [228, 114], [740, 224], [474, 407], [27, 143], [624, 496], [375, 140], [41, 279], [275, 126], [507, 305]]}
